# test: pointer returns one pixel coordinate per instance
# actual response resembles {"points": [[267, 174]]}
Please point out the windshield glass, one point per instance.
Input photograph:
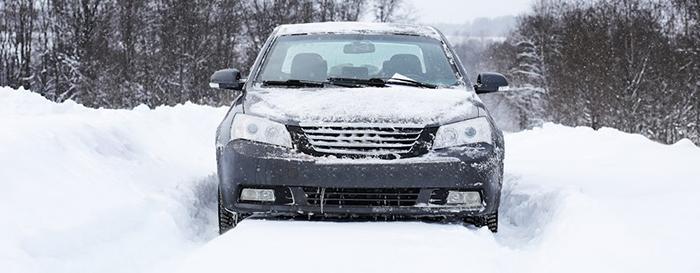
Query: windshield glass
{"points": [[358, 56]]}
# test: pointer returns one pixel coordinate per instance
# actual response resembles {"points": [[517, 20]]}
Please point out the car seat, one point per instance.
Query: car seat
{"points": [[309, 66], [404, 64]]}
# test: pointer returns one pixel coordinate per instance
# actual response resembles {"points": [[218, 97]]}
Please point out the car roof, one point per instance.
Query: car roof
{"points": [[358, 27]]}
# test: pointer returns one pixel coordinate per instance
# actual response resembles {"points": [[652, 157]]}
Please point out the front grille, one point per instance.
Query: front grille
{"points": [[368, 140], [373, 197]]}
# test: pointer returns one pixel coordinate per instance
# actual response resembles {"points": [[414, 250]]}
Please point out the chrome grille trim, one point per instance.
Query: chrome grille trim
{"points": [[363, 125], [358, 144], [362, 139], [321, 137], [354, 131]]}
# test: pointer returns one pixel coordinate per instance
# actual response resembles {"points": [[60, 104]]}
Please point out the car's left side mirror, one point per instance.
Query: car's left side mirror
{"points": [[489, 82], [226, 79]]}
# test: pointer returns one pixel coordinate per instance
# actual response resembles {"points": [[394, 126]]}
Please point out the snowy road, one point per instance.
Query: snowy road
{"points": [[87, 190]]}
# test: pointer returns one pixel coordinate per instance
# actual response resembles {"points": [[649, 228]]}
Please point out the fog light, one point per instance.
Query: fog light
{"points": [[263, 195], [465, 198]]}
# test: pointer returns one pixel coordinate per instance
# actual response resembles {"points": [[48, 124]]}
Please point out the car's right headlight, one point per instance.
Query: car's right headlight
{"points": [[477, 130], [261, 130]]}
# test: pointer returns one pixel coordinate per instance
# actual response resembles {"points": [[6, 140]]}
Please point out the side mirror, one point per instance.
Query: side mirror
{"points": [[489, 82], [226, 79]]}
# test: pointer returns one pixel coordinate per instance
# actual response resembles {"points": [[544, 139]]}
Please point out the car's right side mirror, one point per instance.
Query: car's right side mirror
{"points": [[226, 79], [489, 82]]}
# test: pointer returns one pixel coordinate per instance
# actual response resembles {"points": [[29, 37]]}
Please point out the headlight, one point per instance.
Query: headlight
{"points": [[260, 130], [463, 132]]}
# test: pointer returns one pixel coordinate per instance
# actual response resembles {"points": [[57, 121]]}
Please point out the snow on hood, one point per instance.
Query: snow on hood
{"points": [[396, 104]]}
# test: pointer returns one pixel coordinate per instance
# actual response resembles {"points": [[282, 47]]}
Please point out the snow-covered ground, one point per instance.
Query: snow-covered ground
{"points": [[85, 190]]}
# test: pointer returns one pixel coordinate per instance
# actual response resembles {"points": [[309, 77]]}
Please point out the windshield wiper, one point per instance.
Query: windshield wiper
{"points": [[306, 83], [354, 82], [350, 82], [378, 82], [410, 82], [295, 83]]}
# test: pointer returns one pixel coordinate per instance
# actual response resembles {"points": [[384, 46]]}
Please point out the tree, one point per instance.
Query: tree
{"points": [[620, 64], [528, 66], [339, 10], [16, 49], [384, 10]]}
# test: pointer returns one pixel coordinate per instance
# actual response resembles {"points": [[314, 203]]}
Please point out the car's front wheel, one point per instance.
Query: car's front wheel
{"points": [[489, 220], [227, 219]]}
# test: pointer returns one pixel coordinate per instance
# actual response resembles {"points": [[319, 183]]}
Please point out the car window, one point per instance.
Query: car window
{"points": [[329, 52], [319, 57]]}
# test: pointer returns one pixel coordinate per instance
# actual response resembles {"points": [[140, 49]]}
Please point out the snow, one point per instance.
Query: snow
{"points": [[459, 38], [357, 27], [85, 190], [94, 190], [401, 104]]}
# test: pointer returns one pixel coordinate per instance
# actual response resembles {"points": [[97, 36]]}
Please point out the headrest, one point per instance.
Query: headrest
{"points": [[406, 64], [309, 66]]}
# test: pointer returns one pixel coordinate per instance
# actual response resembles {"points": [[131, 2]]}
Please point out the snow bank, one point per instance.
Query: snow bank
{"points": [[87, 190]]}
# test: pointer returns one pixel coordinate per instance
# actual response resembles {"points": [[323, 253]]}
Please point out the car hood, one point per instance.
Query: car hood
{"points": [[394, 104]]}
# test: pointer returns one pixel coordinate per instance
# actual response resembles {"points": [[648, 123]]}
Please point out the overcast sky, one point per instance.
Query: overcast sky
{"points": [[461, 11]]}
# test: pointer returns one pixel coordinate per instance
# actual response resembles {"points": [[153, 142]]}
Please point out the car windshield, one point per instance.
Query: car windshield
{"points": [[357, 57]]}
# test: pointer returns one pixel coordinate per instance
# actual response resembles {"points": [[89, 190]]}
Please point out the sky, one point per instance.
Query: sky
{"points": [[461, 11]]}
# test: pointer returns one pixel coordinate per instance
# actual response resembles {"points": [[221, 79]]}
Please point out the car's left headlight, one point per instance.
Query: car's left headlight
{"points": [[477, 130], [261, 130]]}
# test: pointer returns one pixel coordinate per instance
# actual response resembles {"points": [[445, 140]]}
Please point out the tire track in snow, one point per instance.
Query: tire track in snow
{"points": [[525, 211], [202, 207]]}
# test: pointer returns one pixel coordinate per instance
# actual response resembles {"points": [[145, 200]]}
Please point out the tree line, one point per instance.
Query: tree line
{"points": [[122, 53], [627, 64]]}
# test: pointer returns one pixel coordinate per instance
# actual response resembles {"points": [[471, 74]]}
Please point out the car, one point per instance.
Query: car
{"points": [[358, 120]]}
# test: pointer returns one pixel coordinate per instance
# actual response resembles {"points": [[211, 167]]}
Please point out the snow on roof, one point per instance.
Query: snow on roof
{"points": [[357, 27]]}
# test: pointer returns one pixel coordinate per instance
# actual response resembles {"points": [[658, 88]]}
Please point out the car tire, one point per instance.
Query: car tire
{"points": [[489, 220], [227, 219]]}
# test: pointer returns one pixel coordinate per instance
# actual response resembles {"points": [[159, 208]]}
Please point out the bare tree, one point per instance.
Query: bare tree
{"points": [[339, 10], [386, 10]]}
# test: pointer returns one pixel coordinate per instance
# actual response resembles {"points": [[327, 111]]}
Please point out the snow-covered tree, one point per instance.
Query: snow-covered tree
{"points": [[528, 66]]}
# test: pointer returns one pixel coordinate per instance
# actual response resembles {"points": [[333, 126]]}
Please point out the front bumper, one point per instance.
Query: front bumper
{"points": [[243, 163]]}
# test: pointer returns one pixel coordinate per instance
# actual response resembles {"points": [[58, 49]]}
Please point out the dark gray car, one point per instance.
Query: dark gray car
{"points": [[358, 120]]}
